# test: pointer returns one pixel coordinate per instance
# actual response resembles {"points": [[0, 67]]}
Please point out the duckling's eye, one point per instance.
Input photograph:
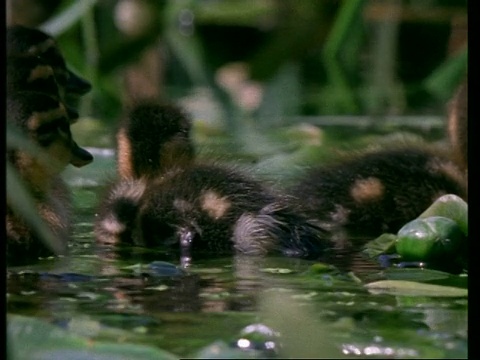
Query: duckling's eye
{"points": [[47, 133], [64, 127], [61, 77], [45, 137]]}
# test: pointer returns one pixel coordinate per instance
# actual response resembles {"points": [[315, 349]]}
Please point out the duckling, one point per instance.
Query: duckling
{"points": [[458, 125], [23, 41], [44, 120], [208, 209], [195, 207], [152, 138], [367, 194], [218, 209]]}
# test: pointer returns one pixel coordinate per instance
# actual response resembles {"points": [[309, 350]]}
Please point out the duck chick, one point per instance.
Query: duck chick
{"points": [[458, 125], [209, 209], [44, 120], [165, 198], [371, 193], [152, 138], [22, 41]]}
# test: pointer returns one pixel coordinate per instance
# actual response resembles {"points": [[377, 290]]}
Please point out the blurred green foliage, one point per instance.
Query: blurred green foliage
{"points": [[334, 57]]}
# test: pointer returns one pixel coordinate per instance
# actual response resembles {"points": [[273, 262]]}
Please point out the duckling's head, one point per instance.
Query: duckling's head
{"points": [[32, 73], [153, 138], [44, 119], [23, 41]]}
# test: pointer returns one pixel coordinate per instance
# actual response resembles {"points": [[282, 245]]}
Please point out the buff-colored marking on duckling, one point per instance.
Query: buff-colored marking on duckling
{"points": [[215, 205], [40, 72], [41, 118], [368, 189], [124, 155]]}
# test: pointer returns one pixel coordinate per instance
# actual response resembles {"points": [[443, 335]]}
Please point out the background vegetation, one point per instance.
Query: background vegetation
{"points": [[267, 62]]}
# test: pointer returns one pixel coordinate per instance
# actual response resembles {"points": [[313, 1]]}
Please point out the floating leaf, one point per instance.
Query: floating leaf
{"points": [[277, 271], [384, 244], [416, 274]]}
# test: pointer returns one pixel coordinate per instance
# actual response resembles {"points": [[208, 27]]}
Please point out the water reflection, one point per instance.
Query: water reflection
{"points": [[151, 296], [134, 280]]}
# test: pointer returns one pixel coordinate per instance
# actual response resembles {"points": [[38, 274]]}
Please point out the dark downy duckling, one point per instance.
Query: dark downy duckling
{"points": [[375, 192], [219, 210], [209, 209], [371, 193], [152, 138], [192, 207], [24, 41], [44, 120]]}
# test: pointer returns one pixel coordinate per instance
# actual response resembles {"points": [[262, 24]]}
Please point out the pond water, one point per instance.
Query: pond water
{"points": [[142, 301]]}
